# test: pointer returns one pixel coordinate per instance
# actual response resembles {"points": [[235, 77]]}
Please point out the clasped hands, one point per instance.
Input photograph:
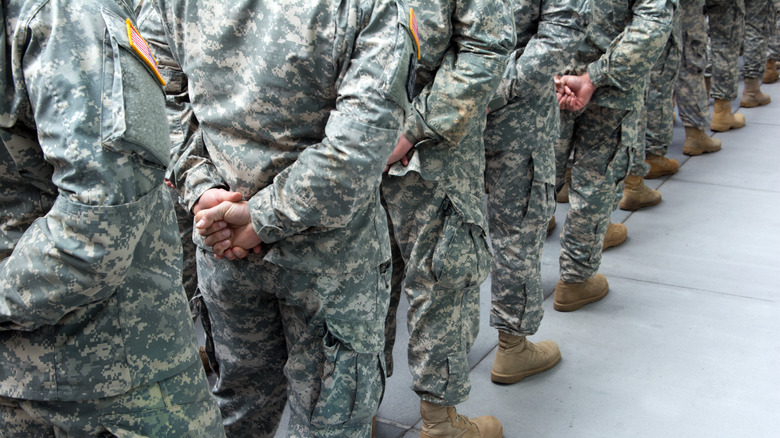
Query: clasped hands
{"points": [[574, 92], [223, 220]]}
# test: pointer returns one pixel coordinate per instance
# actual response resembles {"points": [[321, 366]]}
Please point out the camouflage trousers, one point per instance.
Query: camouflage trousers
{"points": [[690, 92], [189, 268], [758, 24], [726, 28], [601, 140], [520, 180], [179, 406], [441, 257], [313, 340], [773, 46], [656, 126]]}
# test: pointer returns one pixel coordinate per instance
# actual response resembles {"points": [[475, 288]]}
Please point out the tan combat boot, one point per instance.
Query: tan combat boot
{"points": [[637, 195], [444, 421], [551, 225], [518, 358], [752, 95], [563, 196], [616, 235], [697, 142], [723, 119], [771, 74], [660, 166], [572, 296]]}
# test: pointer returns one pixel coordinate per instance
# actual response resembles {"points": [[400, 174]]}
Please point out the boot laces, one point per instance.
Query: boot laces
{"points": [[463, 422]]}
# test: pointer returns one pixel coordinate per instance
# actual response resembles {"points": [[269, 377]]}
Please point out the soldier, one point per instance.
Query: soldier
{"points": [[298, 106], [95, 338], [656, 127], [601, 100], [522, 126], [690, 92], [726, 23], [433, 194], [758, 22]]}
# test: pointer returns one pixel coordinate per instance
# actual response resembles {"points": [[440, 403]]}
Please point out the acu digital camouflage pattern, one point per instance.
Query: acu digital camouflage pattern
{"points": [[622, 44], [773, 47], [435, 204], [91, 303], [179, 406], [759, 20], [690, 93], [656, 128], [521, 131], [299, 112], [726, 20]]}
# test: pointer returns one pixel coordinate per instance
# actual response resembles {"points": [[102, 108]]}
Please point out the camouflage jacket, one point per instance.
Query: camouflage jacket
{"points": [[91, 302], [297, 105], [623, 42], [548, 34], [464, 46]]}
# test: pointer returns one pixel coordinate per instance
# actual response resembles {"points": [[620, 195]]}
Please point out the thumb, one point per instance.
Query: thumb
{"points": [[205, 218]]}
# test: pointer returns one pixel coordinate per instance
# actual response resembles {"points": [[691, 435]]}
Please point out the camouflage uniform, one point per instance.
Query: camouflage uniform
{"points": [[758, 23], [180, 126], [622, 44], [773, 46], [656, 127], [435, 204], [656, 117], [522, 127], [298, 111], [726, 22], [690, 93], [95, 336]]}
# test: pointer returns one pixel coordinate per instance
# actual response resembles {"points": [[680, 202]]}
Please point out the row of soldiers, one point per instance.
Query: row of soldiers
{"points": [[326, 158]]}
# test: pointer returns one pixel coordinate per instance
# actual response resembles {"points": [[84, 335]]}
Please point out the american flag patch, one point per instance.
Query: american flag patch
{"points": [[142, 49], [415, 34]]}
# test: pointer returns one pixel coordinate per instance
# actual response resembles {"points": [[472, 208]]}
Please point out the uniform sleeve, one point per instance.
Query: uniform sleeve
{"points": [[99, 114], [561, 28], [191, 170], [633, 53], [483, 35], [332, 180]]}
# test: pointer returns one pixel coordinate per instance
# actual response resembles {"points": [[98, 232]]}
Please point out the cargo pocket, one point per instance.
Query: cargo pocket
{"points": [[541, 202], [461, 257], [353, 377], [133, 119]]}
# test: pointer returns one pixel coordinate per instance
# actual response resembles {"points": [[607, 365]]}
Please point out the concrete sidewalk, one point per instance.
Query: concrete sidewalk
{"points": [[686, 344]]}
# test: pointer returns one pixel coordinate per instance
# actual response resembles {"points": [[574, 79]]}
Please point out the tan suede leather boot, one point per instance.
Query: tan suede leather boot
{"points": [[572, 296], [697, 142], [723, 119], [616, 234], [551, 225], [660, 166], [518, 358], [771, 74], [637, 195], [752, 95], [444, 421]]}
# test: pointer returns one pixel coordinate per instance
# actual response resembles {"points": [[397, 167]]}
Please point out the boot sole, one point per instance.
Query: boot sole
{"points": [[514, 378], [500, 433], [635, 207], [569, 307]]}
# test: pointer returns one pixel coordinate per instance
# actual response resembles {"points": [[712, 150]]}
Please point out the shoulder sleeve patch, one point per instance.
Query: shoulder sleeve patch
{"points": [[415, 34], [142, 49]]}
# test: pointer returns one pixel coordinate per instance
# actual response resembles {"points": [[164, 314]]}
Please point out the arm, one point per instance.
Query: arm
{"points": [[106, 147], [559, 31], [482, 36], [630, 56], [331, 180]]}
